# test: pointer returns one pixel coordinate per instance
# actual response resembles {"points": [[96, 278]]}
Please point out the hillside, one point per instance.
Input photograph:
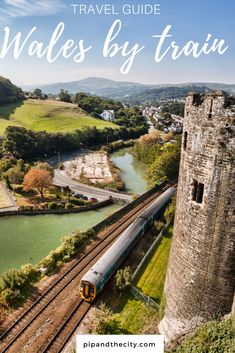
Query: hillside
{"points": [[152, 95], [125, 91], [9, 93], [51, 116]]}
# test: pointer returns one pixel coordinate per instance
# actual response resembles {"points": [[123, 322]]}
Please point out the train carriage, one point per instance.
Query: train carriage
{"points": [[94, 280]]}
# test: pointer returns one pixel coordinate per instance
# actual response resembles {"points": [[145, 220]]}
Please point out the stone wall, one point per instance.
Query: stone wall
{"points": [[200, 278], [79, 209]]}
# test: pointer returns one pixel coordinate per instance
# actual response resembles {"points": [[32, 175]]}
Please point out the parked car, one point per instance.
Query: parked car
{"points": [[85, 198], [93, 199], [78, 196]]}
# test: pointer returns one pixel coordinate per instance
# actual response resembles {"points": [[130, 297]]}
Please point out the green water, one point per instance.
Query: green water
{"points": [[132, 171], [28, 239]]}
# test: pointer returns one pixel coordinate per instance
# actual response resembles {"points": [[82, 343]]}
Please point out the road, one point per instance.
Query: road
{"points": [[62, 179], [10, 201]]}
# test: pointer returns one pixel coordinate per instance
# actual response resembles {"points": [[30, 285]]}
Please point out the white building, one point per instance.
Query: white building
{"points": [[108, 115]]}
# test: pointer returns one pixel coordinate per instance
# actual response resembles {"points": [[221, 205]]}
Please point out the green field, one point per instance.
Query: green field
{"points": [[151, 280], [51, 116]]}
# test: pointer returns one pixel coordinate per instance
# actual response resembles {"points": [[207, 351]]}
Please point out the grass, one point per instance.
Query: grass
{"points": [[51, 116], [151, 279], [134, 316]]}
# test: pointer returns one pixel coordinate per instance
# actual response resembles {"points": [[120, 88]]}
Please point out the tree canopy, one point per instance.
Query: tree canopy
{"points": [[9, 93], [39, 179]]}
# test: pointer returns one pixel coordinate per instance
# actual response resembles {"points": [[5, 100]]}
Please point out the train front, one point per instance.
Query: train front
{"points": [[87, 290]]}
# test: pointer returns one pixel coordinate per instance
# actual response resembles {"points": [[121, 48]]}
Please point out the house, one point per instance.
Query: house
{"points": [[108, 115]]}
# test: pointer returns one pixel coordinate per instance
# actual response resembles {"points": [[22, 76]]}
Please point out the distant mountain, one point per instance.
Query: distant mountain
{"points": [[129, 91], [93, 85], [9, 93]]}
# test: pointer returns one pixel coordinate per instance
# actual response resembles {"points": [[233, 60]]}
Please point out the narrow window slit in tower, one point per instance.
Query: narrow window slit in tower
{"points": [[210, 111], [185, 140], [198, 191]]}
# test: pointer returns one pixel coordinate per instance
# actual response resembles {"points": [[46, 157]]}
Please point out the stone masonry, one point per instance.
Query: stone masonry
{"points": [[200, 279]]}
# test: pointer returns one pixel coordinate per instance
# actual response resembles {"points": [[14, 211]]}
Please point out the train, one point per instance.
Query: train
{"points": [[95, 279]]}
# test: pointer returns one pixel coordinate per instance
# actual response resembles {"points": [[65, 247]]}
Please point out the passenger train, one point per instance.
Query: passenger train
{"points": [[94, 280]]}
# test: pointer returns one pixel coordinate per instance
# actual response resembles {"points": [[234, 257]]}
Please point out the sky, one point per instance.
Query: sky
{"points": [[189, 20]]}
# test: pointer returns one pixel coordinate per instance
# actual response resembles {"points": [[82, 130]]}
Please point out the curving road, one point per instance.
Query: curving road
{"points": [[11, 203], [62, 179]]}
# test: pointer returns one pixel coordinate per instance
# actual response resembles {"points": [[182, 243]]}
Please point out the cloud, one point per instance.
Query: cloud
{"points": [[24, 8]]}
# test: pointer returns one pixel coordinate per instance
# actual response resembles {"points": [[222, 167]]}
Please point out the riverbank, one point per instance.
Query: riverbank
{"points": [[96, 169], [34, 212]]}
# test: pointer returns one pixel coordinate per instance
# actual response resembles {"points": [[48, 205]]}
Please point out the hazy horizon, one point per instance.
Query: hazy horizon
{"points": [[189, 21], [125, 81]]}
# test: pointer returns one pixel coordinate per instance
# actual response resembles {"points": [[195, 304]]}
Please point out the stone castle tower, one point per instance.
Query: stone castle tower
{"points": [[200, 279]]}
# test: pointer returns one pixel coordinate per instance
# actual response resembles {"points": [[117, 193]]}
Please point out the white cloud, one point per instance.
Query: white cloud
{"points": [[23, 8]]}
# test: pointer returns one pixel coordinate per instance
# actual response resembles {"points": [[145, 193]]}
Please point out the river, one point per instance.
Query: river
{"points": [[28, 239], [132, 171]]}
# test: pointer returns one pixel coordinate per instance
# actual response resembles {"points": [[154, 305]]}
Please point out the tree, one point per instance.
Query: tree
{"points": [[123, 278], [166, 165], [44, 166], [38, 93], [38, 179], [64, 96], [15, 175]]}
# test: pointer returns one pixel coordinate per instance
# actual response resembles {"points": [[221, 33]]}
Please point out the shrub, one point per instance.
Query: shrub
{"points": [[77, 202], [26, 208], [60, 205], [30, 273], [8, 296], [14, 284], [123, 278], [69, 205], [70, 245], [104, 322], [52, 205]]}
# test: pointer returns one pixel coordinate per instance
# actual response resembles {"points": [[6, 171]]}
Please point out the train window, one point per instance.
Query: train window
{"points": [[198, 191]]}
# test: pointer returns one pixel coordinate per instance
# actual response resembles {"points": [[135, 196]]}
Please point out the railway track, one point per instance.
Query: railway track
{"points": [[17, 328]]}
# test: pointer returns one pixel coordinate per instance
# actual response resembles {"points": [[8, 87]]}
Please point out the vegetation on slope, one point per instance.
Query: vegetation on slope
{"points": [[217, 336], [9, 93], [94, 105], [151, 96], [161, 154], [27, 144], [50, 116]]}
